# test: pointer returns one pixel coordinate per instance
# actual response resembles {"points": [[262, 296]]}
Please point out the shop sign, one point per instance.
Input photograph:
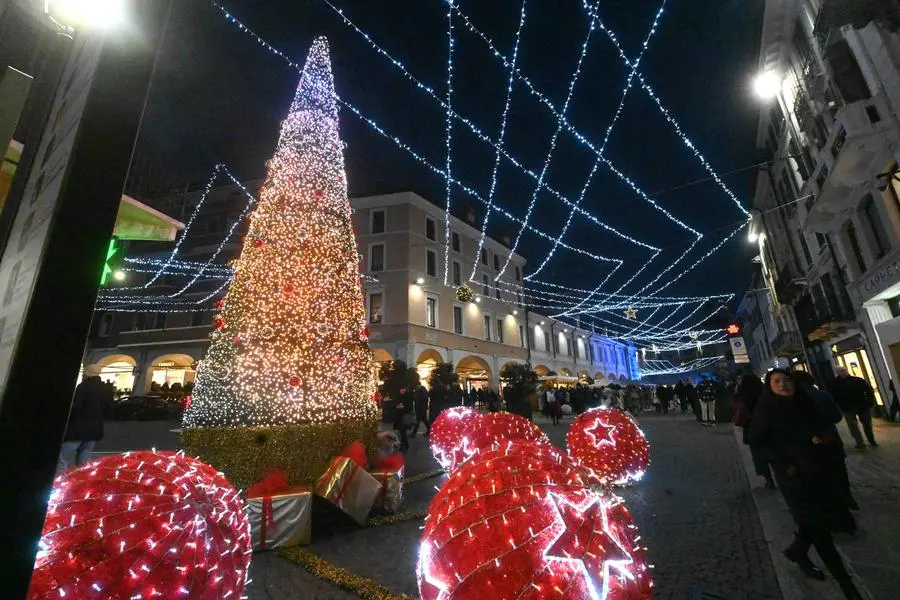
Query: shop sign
{"points": [[881, 278], [166, 363]]}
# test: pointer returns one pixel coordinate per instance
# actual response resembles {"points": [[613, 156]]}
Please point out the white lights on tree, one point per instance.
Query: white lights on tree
{"points": [[290, 340]]}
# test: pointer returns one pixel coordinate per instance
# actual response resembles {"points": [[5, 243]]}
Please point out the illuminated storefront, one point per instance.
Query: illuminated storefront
{"points": [[172, 370], [852, 354]]}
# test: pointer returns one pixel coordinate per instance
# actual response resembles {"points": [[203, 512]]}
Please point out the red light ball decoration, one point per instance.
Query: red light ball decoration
{"points": [[610, 445], [143, 525], [495, 429], [521, 522], [447, 431]]}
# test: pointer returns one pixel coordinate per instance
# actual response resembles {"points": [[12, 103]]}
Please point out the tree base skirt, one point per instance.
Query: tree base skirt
{"points": [[244, 454]]}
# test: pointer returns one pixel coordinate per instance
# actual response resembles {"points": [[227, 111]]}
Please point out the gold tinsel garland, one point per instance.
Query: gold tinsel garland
{"points": [[423, 476], [396, 518], [363, 587], [244, 454]]}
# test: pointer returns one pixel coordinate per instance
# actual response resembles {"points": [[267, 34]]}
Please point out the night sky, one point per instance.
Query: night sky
{"points": [[219, 97]]}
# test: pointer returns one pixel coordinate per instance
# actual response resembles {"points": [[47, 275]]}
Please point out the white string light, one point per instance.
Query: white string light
{"points": [[501, 137], [449, 143]]}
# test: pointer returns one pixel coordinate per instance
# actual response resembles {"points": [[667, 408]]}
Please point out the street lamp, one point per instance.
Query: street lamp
{"points": [[98, 14], [766, 85]]}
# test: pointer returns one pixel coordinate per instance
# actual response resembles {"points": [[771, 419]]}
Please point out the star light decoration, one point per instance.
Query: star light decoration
{"points": [[493, 430], [521, 521], [609, 445], [295, 302], [143, 525], [447, 430], [631, 313]]}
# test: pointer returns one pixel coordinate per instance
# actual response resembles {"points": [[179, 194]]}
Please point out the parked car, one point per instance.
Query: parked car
{"points": [[141, 408]]}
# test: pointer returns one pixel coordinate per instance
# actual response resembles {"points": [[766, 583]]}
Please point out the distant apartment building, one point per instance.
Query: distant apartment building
{"points": [[411, 295]]}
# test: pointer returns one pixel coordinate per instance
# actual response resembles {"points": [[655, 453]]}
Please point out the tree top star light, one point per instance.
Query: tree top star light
{"points": [[290, 342]]}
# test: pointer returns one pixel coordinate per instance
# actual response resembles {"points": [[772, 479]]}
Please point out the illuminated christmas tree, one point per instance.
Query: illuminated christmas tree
{"points": [[289, 346]]}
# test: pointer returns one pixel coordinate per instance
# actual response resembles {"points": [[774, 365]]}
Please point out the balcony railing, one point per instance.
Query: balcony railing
{"points": [[788, 286]]}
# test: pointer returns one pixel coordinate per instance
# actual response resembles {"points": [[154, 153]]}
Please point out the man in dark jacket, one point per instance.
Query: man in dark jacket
{"points": [[707, 395], [855, 397], [422, 411], [402, 409], [92, 398]]}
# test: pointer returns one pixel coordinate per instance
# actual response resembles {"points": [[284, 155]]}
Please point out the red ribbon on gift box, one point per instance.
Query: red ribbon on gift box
{"points": [[353, 469], [268, 521]]}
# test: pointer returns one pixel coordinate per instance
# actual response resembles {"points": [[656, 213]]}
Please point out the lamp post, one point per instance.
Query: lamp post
{"points": [[57, 243]]}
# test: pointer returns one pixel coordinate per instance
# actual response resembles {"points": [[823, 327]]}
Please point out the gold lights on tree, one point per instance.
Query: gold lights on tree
{"points": [[290, 342]]}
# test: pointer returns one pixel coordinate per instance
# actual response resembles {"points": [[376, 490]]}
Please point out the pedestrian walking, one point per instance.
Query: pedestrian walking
{"points": [[707, 393], [421, 411], [90, 403], [830, 410], [554, 406], [403, 416], [791, 430], [745, 399], [856, 398]]}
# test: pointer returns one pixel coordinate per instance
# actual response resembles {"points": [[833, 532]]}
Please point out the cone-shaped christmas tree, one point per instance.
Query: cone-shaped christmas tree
{"points": [[289, 354]]}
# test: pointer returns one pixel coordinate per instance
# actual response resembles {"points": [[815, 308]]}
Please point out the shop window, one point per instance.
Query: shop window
{"points": [[457, 273], [376, 258], [378, 221], [875, 225], [375, 307], [500, 330], [430, 229], [431, 311], [431, 263], [894, 306], [487, 327], [458, 320], [454, 240]]}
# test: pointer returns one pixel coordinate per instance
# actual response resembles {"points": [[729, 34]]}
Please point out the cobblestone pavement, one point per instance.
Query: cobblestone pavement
{"points": [[873, 554], [694, 509]]}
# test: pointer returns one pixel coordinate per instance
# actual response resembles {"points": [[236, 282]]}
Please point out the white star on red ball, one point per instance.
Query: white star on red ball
{"points": [[596, 550], [605, 436]]}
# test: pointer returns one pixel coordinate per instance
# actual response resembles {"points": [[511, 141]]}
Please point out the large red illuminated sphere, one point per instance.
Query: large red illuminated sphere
{"points": [[610, 445], [143, 525], [493, 430], [521, 522], [447, 431]]}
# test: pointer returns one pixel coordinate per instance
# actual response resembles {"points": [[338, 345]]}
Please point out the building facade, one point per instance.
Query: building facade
{"points": [[827, 211], [411, 293]]}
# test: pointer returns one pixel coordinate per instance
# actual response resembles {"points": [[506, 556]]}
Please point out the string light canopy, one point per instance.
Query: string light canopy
{"points": [[290, 342], [143, 525]]}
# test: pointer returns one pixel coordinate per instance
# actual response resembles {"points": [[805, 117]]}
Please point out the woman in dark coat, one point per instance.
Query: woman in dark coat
{"points": [[792, 432], [747, 394]]}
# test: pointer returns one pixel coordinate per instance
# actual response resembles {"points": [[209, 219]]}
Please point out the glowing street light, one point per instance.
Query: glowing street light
{"points": [[766, 85], [94, 14]]}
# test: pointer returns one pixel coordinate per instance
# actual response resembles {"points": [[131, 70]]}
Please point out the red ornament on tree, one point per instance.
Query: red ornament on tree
{"points": [[609, 444], [219, 304], [521, 522], [258, 243], [365, 333], [294, 381], [318, 193], [237, 340], [143, 525], [218, 323], [288, 289], [492, 430], [447, 431]]}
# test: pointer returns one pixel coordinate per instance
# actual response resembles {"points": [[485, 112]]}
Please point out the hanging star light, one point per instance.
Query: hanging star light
{"points": [[631, 313]]}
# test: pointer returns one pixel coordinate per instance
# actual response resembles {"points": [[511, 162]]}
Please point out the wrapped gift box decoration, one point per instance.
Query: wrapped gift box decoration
{"points": [[282, 519], [349, 487], [390, 497]]}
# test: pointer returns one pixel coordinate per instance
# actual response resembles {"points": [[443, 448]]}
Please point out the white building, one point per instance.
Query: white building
{"points": [[827, 203], [416, 316]]}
